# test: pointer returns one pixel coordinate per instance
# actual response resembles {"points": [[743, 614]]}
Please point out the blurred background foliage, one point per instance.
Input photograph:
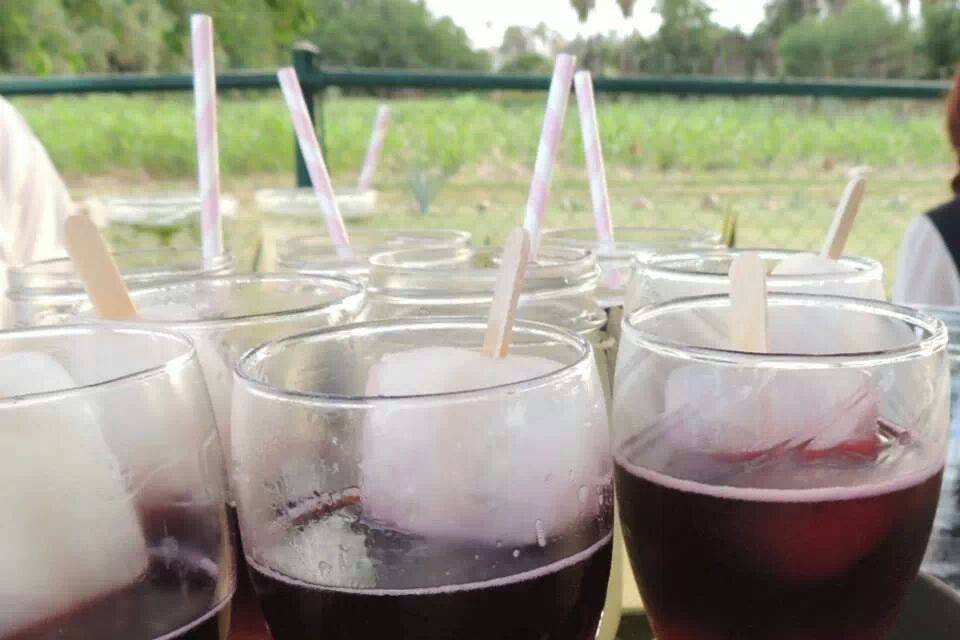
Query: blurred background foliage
{"points": [[824, 38]]}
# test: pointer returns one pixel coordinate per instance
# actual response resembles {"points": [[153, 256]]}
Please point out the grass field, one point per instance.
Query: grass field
{"points": [[94, 134], [780, 164]]}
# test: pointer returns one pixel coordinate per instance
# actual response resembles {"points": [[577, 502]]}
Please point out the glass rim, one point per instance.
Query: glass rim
{"points": [[567, 257], [935, 341], [455, 237], [355, 291], [52, 274], [658, 264], [128, 328], [243, 370]]}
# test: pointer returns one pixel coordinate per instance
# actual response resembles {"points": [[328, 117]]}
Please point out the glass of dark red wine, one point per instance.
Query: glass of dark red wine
{"points": [[393, 482], [787, 494], [113, 488]]}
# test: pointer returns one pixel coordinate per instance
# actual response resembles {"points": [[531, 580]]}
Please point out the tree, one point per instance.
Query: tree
{"points": [[686, 39], [584, 7], [36, 37], [391, 33], [803, 50], [863, 40], [779, 15], [941, 36], [528, 63]]}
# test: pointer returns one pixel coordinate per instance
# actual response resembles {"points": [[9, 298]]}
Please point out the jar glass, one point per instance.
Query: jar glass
{"points": [[316, 254], [50, 287], [664, 277]]}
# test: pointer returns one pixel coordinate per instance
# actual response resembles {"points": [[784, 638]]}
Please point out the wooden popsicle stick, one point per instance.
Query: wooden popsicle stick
{"points": [[506, 294], [97, 269], [748, 304], [843, 218]]}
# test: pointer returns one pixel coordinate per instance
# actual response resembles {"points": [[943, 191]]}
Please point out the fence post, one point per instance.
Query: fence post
{"points": [[303, 61]]}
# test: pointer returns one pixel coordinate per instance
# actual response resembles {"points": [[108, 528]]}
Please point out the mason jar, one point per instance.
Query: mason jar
{"points": [[292, 212], [616, 260], [316, 254], [50, 287], [665, 277]]}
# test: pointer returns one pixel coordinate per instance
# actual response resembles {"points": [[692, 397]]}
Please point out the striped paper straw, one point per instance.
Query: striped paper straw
{"points": [[374, 149], [593, 150], [549, 145], [208, 149], [312, 157]]}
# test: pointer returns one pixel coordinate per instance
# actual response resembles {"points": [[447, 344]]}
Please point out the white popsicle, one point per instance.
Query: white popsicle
{"points": [[827, 261], [735, 413], [476, 471], [71, 532]]}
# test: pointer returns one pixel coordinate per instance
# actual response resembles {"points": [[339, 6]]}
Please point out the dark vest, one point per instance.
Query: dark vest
{"points": [[946, 218]]}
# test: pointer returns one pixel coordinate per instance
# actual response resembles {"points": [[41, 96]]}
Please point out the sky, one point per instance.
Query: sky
{"points": [[486, 20]]}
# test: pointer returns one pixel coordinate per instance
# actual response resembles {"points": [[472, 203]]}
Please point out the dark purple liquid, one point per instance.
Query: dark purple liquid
{"points": [[561, 605], [246, 620], [718, 568], [176, 591]]}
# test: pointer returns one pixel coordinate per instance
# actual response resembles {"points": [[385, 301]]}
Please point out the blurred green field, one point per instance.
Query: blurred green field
{"points": [[779, 164], [470, 133]]}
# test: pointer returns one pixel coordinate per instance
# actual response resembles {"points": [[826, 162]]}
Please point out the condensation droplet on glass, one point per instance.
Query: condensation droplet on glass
{"points": [[541, 535], [476, 556], [335, 441], [583, 493], [516, 553], [499, 543]]}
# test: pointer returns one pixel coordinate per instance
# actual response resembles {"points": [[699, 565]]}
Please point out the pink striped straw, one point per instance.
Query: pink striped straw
{"points": [[374, 149], [549, 146], [312, 156], [593, 150], [208, 148]]}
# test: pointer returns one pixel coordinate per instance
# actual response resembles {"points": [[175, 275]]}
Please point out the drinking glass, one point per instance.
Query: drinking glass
{"points": [[787, 494], [943, 553], [227, 315], [558, 288], [112, 483], [317, 255], [49, 287], [631, 242], [664, 277], [437, 509]]}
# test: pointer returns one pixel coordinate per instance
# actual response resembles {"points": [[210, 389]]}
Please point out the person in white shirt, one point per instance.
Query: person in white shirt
{"points": [[34, 202], [927, 270]]}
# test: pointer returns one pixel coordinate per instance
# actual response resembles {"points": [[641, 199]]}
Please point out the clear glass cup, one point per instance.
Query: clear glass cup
{"points": [[558, 289], [435, 509], [113, 488], [661, 278], [616, 261], [50, 287], [301, 204], [943, 554], [317, 255], [787, 494], [161, 209], [225, 316]]}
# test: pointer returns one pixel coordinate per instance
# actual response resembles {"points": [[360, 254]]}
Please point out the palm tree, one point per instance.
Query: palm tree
{"points": [[584, 7]]}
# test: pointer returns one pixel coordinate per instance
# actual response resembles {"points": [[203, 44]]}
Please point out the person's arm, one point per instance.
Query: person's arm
{"points": [[926, 273], [34, 199]]}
